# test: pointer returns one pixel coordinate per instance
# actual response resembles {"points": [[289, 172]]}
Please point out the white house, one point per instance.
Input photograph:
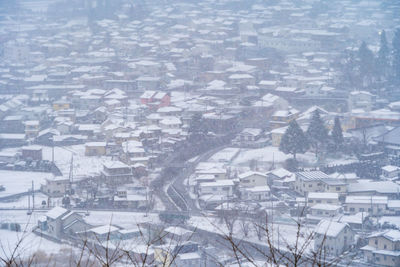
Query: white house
{"points": [[251, 179], [374, 205], [332, 238], [314, 198], [390, 171], [220, 187], [259, 193]]}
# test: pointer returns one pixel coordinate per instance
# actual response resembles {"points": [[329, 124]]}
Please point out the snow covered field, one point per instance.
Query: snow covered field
{"points": [[18, 182]]}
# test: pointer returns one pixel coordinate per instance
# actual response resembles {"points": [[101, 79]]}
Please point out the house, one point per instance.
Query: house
{"points": [[220, 187], [374, 205], [332, 238], [335, 185], [189, 259], [311, 181], [361, 100], [321, 211], [116, 172], [95, 149], [59, 222], [390, 141], [32, 128], [281, 118], [383, 248], [249, 135], [101, 233], [130, 200], [61, 105], [390, 172], [164, 253], [155, 99], [314, 198], [32, 152], [256, 193], [251, 179], [57, 186], [356, 221], [217, 172], [281, 179], [12, 124]]}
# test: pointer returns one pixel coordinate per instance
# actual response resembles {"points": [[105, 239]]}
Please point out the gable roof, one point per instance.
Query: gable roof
{"points": [[330, 228], [56, 212]]}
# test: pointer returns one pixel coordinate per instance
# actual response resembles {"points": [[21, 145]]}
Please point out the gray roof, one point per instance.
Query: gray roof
{"points": [[313, 175], [392, 137]]}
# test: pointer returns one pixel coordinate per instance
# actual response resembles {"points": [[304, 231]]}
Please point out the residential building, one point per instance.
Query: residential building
{"points": [[314, 198], [220, 187], [56, 187], [95, 149], [251, 179], [374, 205], [311, 181], [332, 238], [116, 172], [383, 248]]}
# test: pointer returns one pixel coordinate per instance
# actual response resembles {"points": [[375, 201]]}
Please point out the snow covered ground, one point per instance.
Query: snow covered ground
{"points": [[18, 182], [23, 202], [83, 166]]}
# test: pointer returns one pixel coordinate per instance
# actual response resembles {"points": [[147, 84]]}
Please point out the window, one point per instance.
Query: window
{"points": [[361, 209], [338, 188], [318, 201], [310, 185], [352, 209], [310, 201], [376, 242], [385, 247]]}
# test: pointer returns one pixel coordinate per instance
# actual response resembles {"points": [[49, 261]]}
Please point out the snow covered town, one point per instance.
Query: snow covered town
{"points": [[199, 133]]}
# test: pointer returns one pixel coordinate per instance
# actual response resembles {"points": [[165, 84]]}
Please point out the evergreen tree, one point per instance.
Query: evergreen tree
{"points": [[396, 56], [383, 56], [337, 134], [197, 125], [294, 140], [316, 132], [366, 62]]}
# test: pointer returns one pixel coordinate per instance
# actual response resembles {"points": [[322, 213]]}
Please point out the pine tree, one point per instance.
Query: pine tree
{"points": [[396, 56], [294, 140], [383, 56], [337, 134], [366, 61], [316, 132]]}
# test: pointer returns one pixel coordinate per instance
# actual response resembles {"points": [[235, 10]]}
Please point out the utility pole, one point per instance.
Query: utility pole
{"points": [[33, 196]]}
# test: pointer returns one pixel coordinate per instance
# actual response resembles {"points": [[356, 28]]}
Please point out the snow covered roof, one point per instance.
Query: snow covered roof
{"points": [[177, 231], [392, 235], [218, 183], [366, 200], [252, 131], [390, 168], [104, 229], [330, 228], [115, 165], [383, 187], [250, 173], [281, 173], [323, 195], [56, 212]]}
